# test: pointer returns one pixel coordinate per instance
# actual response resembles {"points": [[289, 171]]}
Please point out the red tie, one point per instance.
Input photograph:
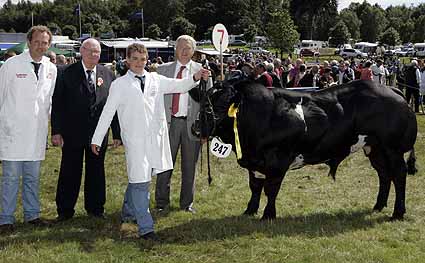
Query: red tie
{"points": [[176, 96]]}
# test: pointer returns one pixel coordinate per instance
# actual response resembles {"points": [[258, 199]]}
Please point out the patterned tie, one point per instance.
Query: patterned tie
{"points": [[36, 68], [176, 96], [90, 82], [142, 82]]}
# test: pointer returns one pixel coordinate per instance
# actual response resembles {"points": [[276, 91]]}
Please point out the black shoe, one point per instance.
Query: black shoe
{"points": [[38, 222], [190, 210], [150, 236], [7, 228], [97, 215], [62, 218]]}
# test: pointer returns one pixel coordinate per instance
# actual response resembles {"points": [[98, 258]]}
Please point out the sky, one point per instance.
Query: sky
{"points": [[341, 3]]}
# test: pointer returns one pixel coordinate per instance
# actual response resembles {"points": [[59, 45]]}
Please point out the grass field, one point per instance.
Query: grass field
{"points": [[318, 220]]}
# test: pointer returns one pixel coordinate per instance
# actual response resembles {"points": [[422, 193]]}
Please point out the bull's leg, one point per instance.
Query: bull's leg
{"points": [[378, 161], [256, 185], [399, 171], [271, 188]]}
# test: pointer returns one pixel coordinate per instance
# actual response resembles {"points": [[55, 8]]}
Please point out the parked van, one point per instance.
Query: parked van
{"points": [[366, 47], [419, 49], [313, 44]]}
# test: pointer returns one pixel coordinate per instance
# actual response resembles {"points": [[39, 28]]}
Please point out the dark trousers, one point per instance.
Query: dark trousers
{"points": [[70, 180], [415, 93]]}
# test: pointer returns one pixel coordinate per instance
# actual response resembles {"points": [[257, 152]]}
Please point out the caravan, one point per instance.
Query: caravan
{"points": [[419, 49], [366, 47]]}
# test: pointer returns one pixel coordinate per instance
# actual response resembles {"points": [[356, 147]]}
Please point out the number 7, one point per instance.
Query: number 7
{"points": [[222, 34]]}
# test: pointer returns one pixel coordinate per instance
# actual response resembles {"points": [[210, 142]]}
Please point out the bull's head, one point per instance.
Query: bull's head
{"points": [[213, 118]]}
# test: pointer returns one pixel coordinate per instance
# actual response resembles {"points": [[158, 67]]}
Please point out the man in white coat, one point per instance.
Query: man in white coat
{"points": [[27, 82], [138, 98]]}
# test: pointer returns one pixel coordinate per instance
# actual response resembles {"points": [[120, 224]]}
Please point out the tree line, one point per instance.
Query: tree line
{"points": [[283, 21]]}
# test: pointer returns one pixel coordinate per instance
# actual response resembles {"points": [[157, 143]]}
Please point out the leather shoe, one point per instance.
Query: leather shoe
{"points": [[7, 228], [190, 210], [150, 236], [98, 216], [38, 222], [62, 218]]}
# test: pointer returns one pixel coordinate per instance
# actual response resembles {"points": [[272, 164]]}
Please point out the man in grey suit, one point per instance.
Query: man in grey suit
{"points": [[181, 112]]}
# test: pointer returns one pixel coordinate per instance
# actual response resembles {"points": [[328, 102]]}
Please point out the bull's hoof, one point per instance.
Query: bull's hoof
{"points": [[268, 218], [378, 208], [397, 217], [249, 212]]}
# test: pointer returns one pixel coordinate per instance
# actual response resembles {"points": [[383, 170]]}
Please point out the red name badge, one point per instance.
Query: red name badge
{"points": [[21, 75]]}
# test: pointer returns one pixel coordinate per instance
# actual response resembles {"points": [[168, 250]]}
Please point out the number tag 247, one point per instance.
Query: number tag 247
{"points": [[220, 149]]}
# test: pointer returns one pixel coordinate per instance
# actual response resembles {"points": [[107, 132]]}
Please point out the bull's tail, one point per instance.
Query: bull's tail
{"points": [[411, 162]]}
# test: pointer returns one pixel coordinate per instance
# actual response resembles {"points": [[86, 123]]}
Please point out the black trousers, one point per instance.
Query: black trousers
{"points": [[415, 93], [70, 180]]}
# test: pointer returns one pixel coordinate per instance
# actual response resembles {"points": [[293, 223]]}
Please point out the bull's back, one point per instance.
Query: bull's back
{"points": [[381, 112]]}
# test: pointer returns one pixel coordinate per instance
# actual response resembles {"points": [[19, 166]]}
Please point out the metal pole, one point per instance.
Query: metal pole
{"points": [[79, 17], [143, 25], [221, 61], [32, 19]]}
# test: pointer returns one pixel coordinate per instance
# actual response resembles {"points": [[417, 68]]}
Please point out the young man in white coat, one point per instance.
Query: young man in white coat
{"points": [[138, 98], [27, 82]]}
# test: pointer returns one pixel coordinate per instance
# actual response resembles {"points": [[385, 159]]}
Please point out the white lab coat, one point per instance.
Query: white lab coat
{"points": [[143, 124], [24, 108]]}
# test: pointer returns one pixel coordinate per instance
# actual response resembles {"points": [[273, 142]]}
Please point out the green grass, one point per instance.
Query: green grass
{"points": [[318, 220]]}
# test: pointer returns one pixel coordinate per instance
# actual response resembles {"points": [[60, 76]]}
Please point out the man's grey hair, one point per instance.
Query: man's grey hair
{"points": [[414, 62], [187, 38]]}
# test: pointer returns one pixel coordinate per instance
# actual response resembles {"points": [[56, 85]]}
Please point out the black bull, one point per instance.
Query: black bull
{"points": [[273, 134]]}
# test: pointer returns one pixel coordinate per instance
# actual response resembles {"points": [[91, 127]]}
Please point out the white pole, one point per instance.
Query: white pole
{"points": [[32, 19]]}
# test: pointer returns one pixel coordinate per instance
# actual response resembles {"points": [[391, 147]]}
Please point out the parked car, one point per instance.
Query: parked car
{"points": [[237, 43], [258, 50], [352, 53], [404, 52], [305, 52]]}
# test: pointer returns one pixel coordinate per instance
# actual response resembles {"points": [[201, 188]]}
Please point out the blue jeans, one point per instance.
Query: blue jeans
{"points": [[136, 206], [12, 171]]}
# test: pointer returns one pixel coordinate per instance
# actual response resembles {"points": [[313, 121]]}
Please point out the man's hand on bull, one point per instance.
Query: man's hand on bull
{"points": [[202, 73]]}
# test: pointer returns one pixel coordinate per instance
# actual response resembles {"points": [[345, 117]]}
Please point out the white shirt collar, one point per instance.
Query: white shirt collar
{"points": [[131, 73], [85, 69]]}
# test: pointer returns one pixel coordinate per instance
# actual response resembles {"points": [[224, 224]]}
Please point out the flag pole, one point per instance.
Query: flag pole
{"points": [[79, 17], [143, 25], [32, 18]]}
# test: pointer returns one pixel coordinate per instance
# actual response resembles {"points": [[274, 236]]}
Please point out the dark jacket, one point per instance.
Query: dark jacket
{"points": [[74, 114]]}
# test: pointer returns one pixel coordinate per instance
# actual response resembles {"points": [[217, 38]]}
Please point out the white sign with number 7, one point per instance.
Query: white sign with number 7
{"points": [[220, 37]]}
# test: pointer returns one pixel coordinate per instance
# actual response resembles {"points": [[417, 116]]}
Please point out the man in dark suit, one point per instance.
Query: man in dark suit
{"points": [[80, 94]]}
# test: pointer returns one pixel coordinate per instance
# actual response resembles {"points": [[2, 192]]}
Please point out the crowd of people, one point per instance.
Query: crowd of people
{"points": [[146, 105]]}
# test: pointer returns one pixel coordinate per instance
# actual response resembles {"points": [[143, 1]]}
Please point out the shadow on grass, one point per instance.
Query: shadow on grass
{"points": [[310, 225], [86, 231]]}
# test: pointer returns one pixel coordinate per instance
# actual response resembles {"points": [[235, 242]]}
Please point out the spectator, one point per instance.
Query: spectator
{"points": [[52, 56], [326, 80], [61, 60], [367, 71], [262, 76], [345, 73], [413, 82]]}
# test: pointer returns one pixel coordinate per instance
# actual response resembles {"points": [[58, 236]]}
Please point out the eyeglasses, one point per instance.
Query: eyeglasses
{"points": [[93, 52]]}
